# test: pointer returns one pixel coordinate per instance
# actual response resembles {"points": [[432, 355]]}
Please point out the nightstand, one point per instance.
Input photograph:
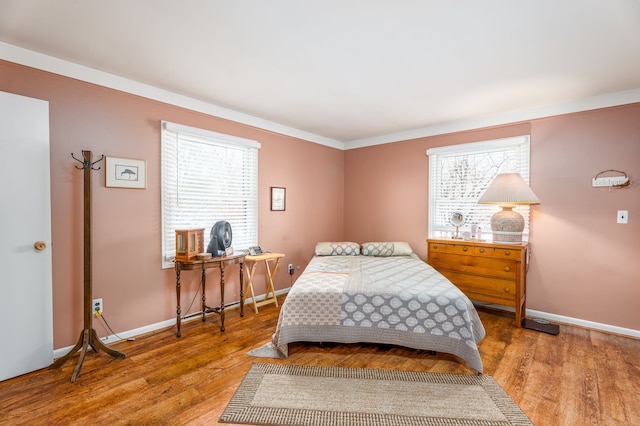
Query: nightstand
{"points": [[485, 272]]}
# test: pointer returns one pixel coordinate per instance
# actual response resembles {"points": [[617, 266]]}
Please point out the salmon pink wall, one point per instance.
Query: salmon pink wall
{"points": [[126, 247], [387, 187], [584, 265]]}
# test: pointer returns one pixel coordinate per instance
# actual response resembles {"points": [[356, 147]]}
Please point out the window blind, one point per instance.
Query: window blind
{"points": [[459, 174], [207, 177]]}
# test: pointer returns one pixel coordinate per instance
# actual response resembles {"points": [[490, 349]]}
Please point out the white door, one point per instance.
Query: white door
{"points": [[26, 304]]}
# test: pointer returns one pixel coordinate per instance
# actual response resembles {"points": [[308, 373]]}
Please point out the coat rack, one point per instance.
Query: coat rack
{"points": [[88, 336]]}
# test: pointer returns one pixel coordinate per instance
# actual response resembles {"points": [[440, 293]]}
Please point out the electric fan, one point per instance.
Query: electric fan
{"points": [[221, 237]]}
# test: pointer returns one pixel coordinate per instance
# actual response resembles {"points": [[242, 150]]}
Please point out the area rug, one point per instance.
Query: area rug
{"points": [[273, 394]]}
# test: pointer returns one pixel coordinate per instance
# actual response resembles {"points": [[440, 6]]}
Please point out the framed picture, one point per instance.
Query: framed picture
{"points": [[278, 198], [125, 173]]}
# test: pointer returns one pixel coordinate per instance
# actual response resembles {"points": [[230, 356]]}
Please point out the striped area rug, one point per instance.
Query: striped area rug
{"points": [[273, 394]]}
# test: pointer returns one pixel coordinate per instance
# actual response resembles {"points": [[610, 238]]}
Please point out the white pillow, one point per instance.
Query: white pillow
{"points": [[345, 248], [402, 249]]}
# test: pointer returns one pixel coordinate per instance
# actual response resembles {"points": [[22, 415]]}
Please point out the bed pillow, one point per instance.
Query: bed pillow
{"points": [[402, 249], [386, 249], [345, 248], [377, 249]]}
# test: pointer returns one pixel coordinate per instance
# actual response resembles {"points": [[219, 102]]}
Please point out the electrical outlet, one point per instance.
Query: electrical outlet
{"points": [[623, 216], [98, 307], [291, 269]]}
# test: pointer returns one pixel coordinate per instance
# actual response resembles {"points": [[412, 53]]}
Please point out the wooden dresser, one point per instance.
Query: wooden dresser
{"points": [[486, 272]]}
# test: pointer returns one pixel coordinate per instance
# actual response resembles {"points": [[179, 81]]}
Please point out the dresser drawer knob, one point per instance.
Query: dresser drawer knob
{"points": [[435, 246], [507, 253], [507, 268], [481, 250], [464, 248], [507, 290]]}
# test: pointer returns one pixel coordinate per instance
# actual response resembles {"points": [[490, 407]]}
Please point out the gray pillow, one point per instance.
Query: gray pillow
{"points": [[377, 249], [345, 248]]}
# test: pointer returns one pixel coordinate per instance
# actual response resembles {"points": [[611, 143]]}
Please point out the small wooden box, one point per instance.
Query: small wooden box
{"points": [[189, 242]]}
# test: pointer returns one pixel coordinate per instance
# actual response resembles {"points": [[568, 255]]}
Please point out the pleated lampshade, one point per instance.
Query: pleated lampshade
{"points": [[508, 190]]}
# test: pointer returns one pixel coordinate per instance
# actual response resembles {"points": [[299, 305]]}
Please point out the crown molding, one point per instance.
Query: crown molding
{"points": [[65, 68], [569, 107]]}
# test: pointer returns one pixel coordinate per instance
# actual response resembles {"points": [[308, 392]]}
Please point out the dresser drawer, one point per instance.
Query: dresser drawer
{"points": [[452, 248], [485, 289], [501, 253], [490, 267]]}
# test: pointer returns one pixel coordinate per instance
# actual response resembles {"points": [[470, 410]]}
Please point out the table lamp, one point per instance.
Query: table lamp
{"points": [[508, 190]]}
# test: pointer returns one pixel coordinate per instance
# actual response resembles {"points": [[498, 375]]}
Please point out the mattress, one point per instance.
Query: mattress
{"points": [[398, 300]]}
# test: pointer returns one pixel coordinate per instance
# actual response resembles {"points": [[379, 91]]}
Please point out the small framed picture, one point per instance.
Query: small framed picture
{"points": [[125, 173], [278, 198]]}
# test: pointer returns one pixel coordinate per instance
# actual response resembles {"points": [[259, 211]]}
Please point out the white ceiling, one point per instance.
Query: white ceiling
{"points": [[355, 72]]}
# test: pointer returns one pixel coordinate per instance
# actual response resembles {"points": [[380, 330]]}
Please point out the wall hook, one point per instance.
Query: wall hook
{"points": [[86, 162]]}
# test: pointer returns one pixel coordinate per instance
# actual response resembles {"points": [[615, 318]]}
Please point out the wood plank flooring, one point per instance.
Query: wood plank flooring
{"points": [[579, 377]]}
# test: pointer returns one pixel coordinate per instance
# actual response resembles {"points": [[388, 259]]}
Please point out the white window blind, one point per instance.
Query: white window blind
{"points": [[207, 177], [459, 174]]}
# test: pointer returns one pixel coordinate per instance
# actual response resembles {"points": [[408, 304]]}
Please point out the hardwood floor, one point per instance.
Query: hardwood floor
{"points": [[579, 377]]}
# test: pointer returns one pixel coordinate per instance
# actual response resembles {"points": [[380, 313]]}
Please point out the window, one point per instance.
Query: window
{"points": [[207, 177], [459, 174]]}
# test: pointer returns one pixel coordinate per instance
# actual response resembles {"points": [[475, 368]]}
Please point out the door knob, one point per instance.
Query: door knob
{"points": [[40, 245]]}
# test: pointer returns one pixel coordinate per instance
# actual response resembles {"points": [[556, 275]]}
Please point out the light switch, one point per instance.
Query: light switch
{"points": [[623, 216]]}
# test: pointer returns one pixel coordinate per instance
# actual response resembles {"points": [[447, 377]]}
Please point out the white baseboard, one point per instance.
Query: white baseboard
{"points": [[585, 324], [124, 335], [569, 320], [538, 314]]}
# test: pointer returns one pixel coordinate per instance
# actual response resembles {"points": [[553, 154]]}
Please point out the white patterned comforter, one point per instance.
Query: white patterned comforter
{"points": [[397, 300]]}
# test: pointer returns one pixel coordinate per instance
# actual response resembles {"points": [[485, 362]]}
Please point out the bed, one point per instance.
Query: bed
{"points": [[380, 292]]}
